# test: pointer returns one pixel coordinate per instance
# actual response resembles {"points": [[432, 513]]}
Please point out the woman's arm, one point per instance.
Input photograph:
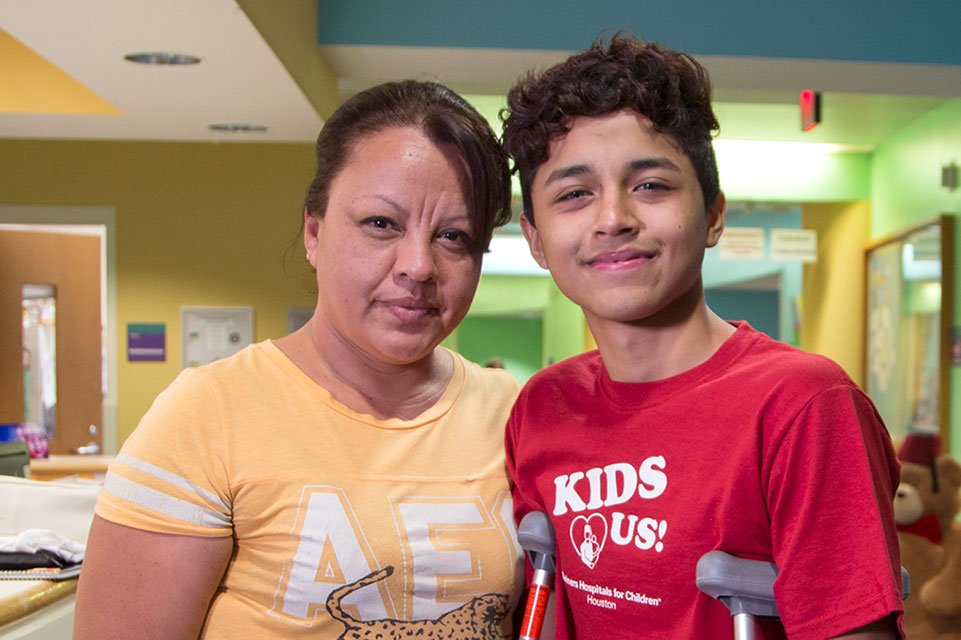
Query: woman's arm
{"points": [[146, 585]]}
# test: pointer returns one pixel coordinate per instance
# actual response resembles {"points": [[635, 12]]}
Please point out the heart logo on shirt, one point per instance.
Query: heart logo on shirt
{"points": [[588, 535]]}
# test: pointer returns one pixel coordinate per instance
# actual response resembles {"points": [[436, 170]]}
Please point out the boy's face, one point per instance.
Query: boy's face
{"points": [[620, 219]]}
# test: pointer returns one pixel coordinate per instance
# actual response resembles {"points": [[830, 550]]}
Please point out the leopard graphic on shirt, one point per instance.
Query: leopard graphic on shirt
{"points": [[480, 618]]}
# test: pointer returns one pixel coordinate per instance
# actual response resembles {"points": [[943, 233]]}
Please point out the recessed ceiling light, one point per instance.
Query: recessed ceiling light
{"points": [[234, 128], [160, 57]]}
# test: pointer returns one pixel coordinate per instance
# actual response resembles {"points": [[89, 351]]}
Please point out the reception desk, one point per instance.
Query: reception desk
{"points": [[64, 466]]}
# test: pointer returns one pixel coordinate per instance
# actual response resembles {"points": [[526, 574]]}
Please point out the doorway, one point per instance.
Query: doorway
{"points": [[97, 224]]}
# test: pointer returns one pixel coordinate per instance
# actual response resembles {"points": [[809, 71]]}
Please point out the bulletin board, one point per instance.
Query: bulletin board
{"points": [[909, 301], [211, 333]]}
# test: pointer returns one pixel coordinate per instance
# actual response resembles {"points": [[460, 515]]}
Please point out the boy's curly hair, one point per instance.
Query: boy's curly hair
{"points": [[669, 87]]}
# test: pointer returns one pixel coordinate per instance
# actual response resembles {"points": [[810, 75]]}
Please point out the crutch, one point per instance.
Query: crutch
{"points": [[746, 587], [536, 536]]}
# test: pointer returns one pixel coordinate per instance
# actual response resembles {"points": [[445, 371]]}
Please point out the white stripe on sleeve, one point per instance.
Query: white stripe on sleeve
{"points": [[174, 479]]}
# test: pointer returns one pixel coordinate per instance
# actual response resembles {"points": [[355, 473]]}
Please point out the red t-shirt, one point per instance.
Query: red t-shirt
{"points": [[763, 451]]}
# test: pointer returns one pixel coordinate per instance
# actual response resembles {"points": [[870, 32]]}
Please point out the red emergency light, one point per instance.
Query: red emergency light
{"points": [[810, 109]]}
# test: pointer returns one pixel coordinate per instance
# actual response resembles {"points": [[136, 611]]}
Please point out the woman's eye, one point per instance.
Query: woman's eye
{"points": [[378, 222], [456, 235]]}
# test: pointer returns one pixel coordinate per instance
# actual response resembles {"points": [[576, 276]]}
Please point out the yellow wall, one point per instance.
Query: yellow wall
{"points": [[832, 319], [197, 224]]}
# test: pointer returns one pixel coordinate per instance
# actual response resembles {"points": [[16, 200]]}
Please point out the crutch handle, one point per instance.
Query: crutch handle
{"points": [[744, 586], [536, 536]]}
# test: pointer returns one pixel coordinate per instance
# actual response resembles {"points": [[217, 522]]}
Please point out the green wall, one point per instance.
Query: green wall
{"points": [[515, 339]]}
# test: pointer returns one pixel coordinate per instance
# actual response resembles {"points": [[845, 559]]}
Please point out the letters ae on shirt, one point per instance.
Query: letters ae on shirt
{"points": [[582, 492], [446, 545]]}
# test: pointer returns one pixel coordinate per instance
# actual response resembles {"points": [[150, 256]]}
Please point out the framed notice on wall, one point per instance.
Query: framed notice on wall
{"points": [[211, 333]]}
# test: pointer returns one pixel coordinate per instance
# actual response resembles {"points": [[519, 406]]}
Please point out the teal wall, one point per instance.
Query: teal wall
{"points": [[863, 30], [906, 190], [759, 307], [717, 272]]}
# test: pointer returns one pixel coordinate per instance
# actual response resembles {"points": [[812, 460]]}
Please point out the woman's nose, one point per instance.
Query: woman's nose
{"points": [[415, 259]]}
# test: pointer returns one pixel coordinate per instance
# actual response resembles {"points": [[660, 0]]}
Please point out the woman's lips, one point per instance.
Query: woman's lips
{"points": [[410, 308]]}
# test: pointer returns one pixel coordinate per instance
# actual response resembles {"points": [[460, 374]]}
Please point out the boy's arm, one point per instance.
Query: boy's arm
{"points": [[833, 486], [884, 629]]}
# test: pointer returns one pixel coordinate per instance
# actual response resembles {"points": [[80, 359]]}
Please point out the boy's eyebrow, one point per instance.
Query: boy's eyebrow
{"points": [[657, 162], [566, 172]]}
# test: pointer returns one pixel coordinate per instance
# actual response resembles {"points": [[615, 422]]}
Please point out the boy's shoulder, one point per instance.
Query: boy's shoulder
{"points": [[755, 355]]}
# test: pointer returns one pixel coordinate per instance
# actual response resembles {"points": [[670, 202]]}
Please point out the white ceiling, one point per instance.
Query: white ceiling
{"points": [[241, 80]]}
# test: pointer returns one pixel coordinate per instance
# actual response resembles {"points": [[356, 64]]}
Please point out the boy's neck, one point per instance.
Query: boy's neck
{"points": [[651, 350]]}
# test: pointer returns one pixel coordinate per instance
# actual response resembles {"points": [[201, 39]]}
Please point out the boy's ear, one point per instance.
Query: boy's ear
{"points": [[715, 219], [534, 240]]}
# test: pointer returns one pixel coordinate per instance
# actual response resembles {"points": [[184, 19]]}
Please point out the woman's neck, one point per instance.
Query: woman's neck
{"points": [[363, 383]]}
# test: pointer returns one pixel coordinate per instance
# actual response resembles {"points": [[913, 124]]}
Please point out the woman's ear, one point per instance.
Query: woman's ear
{"points": [[311, 236], [715, 219]]}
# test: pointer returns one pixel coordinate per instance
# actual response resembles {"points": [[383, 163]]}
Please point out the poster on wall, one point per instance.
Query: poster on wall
{"points": [[211, 333], [146, 342]]}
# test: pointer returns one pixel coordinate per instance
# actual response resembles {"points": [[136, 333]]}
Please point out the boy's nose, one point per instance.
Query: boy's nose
{"points": [[616, 215]]}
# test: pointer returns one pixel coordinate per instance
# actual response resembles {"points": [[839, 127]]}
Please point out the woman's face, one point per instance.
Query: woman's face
{"points": [[396, 271]]}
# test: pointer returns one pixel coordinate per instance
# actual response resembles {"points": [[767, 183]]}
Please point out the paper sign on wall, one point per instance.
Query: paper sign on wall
{"points": [[794, 244], [742, 243]]}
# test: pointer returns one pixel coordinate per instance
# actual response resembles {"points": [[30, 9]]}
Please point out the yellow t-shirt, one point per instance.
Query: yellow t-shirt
{"points": [[318, 496]]}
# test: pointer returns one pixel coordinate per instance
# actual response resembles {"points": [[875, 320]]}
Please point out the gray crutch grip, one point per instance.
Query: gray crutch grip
{"points": [[744, 586]]}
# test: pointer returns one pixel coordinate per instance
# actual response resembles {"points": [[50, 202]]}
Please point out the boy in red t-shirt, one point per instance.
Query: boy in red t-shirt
{"points": [[684, 433]]}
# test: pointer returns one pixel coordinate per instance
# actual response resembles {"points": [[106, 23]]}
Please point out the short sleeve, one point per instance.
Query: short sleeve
{"points": [[830, 497], [171, 474]]}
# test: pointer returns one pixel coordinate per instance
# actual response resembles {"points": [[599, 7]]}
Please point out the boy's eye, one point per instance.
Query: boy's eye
{"points": [[573, 194], [650, 186]]}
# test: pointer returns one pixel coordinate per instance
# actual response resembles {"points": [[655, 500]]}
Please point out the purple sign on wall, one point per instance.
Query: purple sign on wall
{"points": [[146, 342]]}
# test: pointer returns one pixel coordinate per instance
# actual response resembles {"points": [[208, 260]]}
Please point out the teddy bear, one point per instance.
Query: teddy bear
{"points": [[925, 506]]}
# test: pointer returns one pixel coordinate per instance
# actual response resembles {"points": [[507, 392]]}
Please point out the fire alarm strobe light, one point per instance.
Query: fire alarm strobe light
{"points": [[810, 109]]}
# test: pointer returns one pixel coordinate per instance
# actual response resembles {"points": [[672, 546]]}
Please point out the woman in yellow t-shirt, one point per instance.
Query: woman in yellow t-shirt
{"points": [[350, 476]]}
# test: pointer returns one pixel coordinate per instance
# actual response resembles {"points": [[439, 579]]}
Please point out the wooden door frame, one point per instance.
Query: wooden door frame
{"points": [[37, 215]]}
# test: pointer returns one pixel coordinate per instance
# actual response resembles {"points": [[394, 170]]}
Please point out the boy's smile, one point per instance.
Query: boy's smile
{"points": [[620, 219]]}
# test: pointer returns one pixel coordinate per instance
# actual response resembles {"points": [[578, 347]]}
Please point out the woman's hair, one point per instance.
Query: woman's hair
{"points": [[445, 118], [669, 87]]}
